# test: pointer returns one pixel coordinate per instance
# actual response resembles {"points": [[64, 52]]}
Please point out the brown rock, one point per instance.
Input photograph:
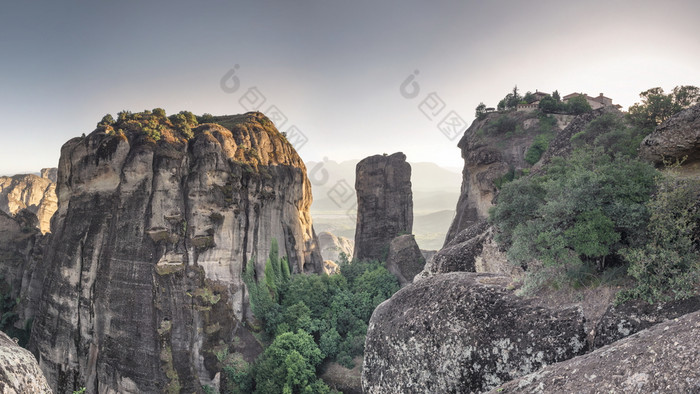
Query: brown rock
{"points": [[36, 194], [384, 204]]}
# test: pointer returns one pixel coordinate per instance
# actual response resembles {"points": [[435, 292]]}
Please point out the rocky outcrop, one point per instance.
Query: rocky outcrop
{"points": [[405, 259], [460, 254], [677, 137], [384, 204], [338, 377], [144, 273], [463, 332], [19, 371], [332, 246], [620, 321], [489, 155], [50, 174], [662, 359], [36, 194]]}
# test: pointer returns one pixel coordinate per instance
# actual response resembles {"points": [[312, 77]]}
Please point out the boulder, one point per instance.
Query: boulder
{"points": [[662, 359], [463, 332], [622, 320], [405, 259], [461, 253], [384, 204], [19, 371], [677, 137]]}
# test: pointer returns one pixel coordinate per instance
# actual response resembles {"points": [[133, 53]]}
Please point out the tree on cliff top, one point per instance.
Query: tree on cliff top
{"points": [[656, 106]]}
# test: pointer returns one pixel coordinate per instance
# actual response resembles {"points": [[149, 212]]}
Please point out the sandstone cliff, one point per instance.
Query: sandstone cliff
{"points": [[492, 148], [36, 194], [384, 204], [143, 284]]}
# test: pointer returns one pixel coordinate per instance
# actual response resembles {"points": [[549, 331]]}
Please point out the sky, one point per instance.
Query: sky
{"points": [[346, 79]]}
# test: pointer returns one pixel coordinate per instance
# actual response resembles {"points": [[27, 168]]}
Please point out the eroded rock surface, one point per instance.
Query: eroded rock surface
{"points": [[463, 332], [662, 359], [144, 273], [405, 259], [19, 371], [461, 253], [677, 137], [384, 204], [633, 316], [31, 192]]}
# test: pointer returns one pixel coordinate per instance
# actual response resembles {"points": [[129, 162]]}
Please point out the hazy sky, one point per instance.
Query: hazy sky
{"points": [[333, 68]]}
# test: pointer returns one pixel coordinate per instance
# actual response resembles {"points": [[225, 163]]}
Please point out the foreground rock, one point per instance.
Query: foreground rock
{"points": [[332, 246], [384, 204], [405, 259], [633, 316], [31, 192], [662, 359], [144, 272], [677, 137], [19, 371], [463, 332]]}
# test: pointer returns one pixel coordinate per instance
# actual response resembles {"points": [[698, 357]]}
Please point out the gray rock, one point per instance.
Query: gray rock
{"points": [[405, 259], [384, 204], [463, 332], [143, 281], [674, 139], [461, 253], [50, 174], [662, 359], [633, 316], [19, 371]]}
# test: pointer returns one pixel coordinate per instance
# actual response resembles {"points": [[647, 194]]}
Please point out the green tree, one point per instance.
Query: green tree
{"points": [[481, 111], [579, 105], [667, 266]]}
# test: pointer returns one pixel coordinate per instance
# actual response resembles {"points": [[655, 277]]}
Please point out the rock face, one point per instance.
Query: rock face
{"points": [[488, 155], [384, 204], [50, 174], [332, 246], [460, 254], [633, 316], [36, 194], [19, 372], [662, 359], [405, 259], [675, 138], [143, 282], [463, 332]]}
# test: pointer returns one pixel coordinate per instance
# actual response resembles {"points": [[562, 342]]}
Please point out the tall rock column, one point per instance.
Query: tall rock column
{"points": [[384, 204]]}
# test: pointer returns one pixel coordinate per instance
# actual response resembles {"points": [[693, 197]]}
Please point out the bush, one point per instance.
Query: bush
{"points": [[503, 124], [667, 266], [538, 147]]}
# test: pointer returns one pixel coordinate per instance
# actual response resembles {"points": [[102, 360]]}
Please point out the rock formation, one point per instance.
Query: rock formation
{"points": [[405, 259], [50, 174], [36, 194], [662, 359], [332, 246], [620, 321], [463, 332], [460, 254], [143, 284], [19, 372], [384, 204], [677, 137]]}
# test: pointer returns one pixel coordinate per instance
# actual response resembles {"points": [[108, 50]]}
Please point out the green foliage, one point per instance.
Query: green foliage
{"points": [[237, 376], [503, 124], [81, 391], [288, 364], [579, 105], [331, 310], [9, 316], [667, 265], [656, 106], [538, 147], [481, 111], [580, 212]]}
